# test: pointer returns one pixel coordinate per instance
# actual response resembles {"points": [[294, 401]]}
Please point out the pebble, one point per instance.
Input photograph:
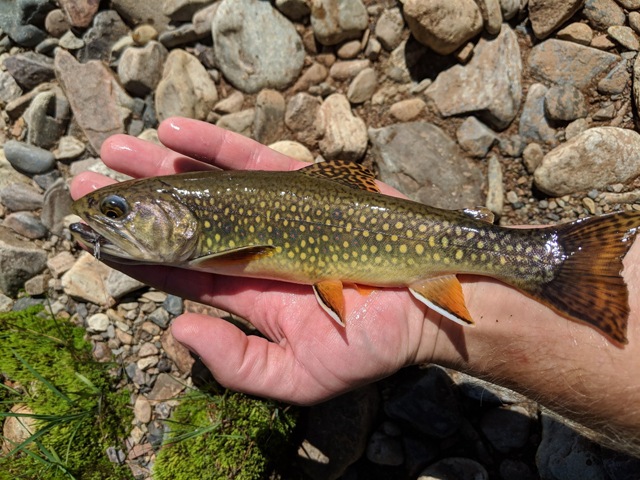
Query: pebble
{"points": [[577, 32], [363, 86], [268, 120], [407, 110], [624, 36], [256, 50], [344, 134], [491, 16], [29, 159], [534, 124], [231, 104], [603, 13], [294, 9], [293, 149], [69, 41], [334, 21], [142, 410], [389, 28], [507, 428], [616, 81], [56, 23], [20, 197], [384, 450], [594, 159], [173, 304], [240, 122], [47, 118], [314, 75], [532, 156], [547, 16], [86, 280], [97, 323], [106, 30], [69, 148], [564, 103], [348, 69], [9, 88], [29, 69], [495, 186], [475, 137], [26, 224], [424, 19], [60, 263], [140, 69], [21, 260]]}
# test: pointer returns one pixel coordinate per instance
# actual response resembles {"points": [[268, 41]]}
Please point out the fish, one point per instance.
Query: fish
{"points": [[327, 225]]}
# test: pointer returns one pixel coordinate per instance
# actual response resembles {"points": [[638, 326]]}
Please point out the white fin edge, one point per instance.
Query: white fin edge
{"points": [[439, 310], [334, 316]]}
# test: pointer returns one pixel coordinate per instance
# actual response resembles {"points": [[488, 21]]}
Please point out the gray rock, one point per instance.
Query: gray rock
{"points": [[334, 21], [47, 118], [603, 13], [239, 122], [181, 35], [135, 12], [26, 224], [69, 148], [363, 86], [174, 305], [20, 197], [165, 388], [348, 69], [268, 122], [231, 104], [140, 69], [19, 20], [20, 260], [490, 84], [495, 186], [9, 88], [568, 63], [575, 128], [507, 428], [443, 25], [565, 455], [389, 28], [491, 16], [624, 37], [422, 161], [183, 10], [564, 103], [119, 284], [160, 317], [344, 134], [534, 125], [385, 450], [70, 42], [300, 117], [454, 468], [475, 137], [98, 323], [100, 105], [56, 23], [107, 29], [548, 15], [294, 9], [29, 159], [616, 80], [29, 69], [256, 46], [428, 405], [336, 433], [598, 157]]}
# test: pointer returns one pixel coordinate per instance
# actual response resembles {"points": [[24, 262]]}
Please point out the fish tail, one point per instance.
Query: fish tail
{"points": [[588, 285]]}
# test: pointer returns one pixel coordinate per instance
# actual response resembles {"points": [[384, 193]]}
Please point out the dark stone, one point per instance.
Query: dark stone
{"points": [[30, 69]]}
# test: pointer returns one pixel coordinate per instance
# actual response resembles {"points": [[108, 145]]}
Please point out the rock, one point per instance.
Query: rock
{"points": [[56, 23], [147, 349], [564, 103], [60, 263], [20, 260], [423, 162], [348, 69], [495, 186], [577, 32], [344, 134], [616, 80], [182, 10], [142, 410], [565, 455], [29, 69], [256, 46], [548, 15], [239, 122], [20, 197], [293, 150], [69, 148], [490, 84], [575, 128], [100, 105], [9, 88], [336, 433], [532, 157], [624, 37], [294, 9], [349, 50], [46, 119], [231, 104], [119, 284], [36, 286], [140, 69], [86, 280], [98, 323], [18, 19], [17, 428], [107, 29], [143, 34], [314, 75], [165, 388], [29, 159], [491, 15], [181, 35], [135, 12], [534, 125], [178, 353], [454, 468], [428, 404], [80, 12], [389, 28], [363, 86], [26, 224], [568, 63], [507, 428], [407, 110], [443, 25], [475, 137], [385, 450], [186, 89], [598, 157], [173, 304], [334, 21], [56, 206], [268, 123], [300, 117], [620, 466], [70, 42], [603, 13], [160, 317]]}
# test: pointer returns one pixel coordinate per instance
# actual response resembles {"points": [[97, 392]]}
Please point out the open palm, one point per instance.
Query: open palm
{"points": [[305, 356]]}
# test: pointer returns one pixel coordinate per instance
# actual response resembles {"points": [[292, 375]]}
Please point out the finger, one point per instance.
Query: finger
{"points": [[87, 182], [140, 158], [250, 364], [220, 147]]}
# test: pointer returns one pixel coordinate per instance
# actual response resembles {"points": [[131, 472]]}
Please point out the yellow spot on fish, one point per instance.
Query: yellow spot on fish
{"points": [[480, 245], [379, 237], [345, 244], [362, 219], [409, 234], [302, 228], [458, 231], [385, 227], [388, 248], [232, 244], [373, 249], [291, 254], [207, 224], [422, 228], [363, 258], [419, 249], [209, 242], [432, 241], [445, 242], [470, 235], [503, 260], [403, 248], [436, 257], [399, 225], [459, 254], [365, 233], [217, 237]]}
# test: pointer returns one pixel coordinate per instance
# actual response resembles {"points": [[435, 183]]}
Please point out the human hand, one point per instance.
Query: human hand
{"points": [[305, 357]]}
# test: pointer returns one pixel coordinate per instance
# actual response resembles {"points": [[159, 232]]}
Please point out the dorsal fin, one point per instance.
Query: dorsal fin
{"points": [[346, 173]]}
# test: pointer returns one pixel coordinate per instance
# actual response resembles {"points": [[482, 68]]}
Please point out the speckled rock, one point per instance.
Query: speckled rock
{"points": [[334, 21], [548, 15], [20, 260], [344, 134]]}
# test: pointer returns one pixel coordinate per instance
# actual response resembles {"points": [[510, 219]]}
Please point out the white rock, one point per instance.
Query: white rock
{"points": [[345, 135], [98, 323], [293, 149]]}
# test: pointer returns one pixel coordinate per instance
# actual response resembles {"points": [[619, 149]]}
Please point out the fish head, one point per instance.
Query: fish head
{"points": [[141, 221]]}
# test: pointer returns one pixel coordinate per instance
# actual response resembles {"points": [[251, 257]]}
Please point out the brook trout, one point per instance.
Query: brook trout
{"points": [[327, 224]]}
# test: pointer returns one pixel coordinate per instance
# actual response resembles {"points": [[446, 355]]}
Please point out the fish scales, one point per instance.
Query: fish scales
{"points": [[327, 224]]}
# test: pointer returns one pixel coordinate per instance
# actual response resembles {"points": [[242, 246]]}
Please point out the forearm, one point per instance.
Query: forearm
{"points": [[568, 367]]}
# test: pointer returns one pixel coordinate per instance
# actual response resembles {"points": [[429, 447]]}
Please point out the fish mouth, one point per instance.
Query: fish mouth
{"points": [[102, 247]]}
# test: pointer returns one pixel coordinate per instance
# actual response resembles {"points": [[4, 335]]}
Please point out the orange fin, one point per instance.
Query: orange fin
{"points": [[350, 174], [444, 295], [364, 290], [331, 298], [587, 286], [236, 255]]}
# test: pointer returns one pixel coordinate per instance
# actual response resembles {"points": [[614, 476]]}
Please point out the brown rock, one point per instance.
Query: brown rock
{"points": [[177, 352], [548, 15], [80, 12], [17, 429]]}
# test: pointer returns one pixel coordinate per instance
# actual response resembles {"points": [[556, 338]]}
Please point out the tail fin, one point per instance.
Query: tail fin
{"points": [[588, 286]]}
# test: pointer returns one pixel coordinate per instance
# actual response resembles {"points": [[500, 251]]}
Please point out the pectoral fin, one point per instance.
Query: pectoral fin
{"points": [[331, 298], [444, 295], [236, 255]]}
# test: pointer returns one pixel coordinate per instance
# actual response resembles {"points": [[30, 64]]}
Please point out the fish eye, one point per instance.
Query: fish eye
{"points": [[114, 207]]}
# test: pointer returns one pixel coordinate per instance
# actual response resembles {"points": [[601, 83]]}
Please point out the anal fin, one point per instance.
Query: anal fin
{"points": [[444, 295], [231, 256], [331, 298]]}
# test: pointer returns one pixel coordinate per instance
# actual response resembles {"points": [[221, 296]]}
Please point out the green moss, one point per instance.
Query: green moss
{"points": [[230, 436], [79, 413]]}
